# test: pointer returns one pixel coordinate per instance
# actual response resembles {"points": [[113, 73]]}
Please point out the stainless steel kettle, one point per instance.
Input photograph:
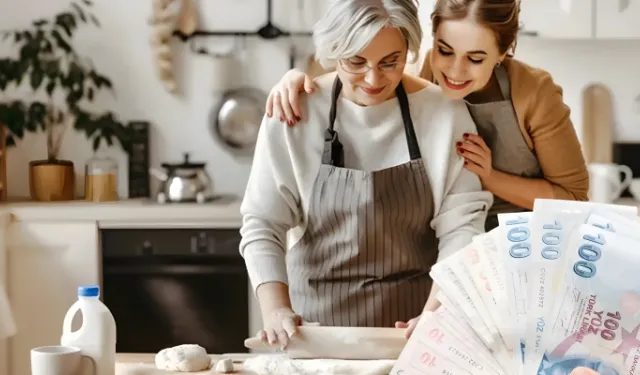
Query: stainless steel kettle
{"points": [[183, 182]]}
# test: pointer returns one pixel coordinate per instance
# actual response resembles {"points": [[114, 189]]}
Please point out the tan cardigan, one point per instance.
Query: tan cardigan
{"points": [[546, 127]]}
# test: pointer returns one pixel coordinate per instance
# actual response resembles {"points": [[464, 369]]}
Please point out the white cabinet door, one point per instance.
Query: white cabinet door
{"points": [[618, 19], [557, 19], [47, 262]]}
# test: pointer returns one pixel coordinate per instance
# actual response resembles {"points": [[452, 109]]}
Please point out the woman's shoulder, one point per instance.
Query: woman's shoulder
{"points": [[528, 81], [532, 89]]}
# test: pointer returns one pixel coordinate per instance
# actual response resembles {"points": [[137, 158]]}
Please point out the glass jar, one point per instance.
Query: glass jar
{"points": [[101, 179]]}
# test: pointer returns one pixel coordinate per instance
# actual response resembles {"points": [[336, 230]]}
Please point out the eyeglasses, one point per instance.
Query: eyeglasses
{"points": [[361, 67]]}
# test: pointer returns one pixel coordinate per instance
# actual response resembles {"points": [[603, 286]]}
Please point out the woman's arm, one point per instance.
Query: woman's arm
{"points": [[557, 149], [555, 142], [521, 191], [464, 205], [269, 210]]}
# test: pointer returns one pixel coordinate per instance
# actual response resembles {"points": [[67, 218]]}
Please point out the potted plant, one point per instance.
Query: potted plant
{"points": [[63, 84]]}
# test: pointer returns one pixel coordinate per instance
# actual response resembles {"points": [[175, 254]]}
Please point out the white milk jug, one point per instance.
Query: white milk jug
{"points": [[97, 336]]}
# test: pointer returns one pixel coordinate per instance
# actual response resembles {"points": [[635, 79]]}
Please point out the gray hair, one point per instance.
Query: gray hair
{"points": [[349, 26]]}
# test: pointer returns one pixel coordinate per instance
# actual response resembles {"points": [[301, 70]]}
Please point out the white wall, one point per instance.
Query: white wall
{"points": [[120, 50]]}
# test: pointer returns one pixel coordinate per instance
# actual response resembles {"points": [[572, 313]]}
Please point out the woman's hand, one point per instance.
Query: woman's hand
{"points": [[476, 154], [408, 326], [280, 325], [283, 97]]}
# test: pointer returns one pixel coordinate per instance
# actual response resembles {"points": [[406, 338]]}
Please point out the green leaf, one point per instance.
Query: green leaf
{"points": [[51, 86], [90, 94], [67, 22], [80, 12], [87, 2], [96, 143], [37, 76], [11, 142], [95, 21], [51, 68], [40, 22], [36, 116], [61, 42]]}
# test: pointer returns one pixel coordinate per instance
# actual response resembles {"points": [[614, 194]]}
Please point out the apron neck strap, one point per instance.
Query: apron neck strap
{"points": [[333, 150], [409, 131], [503, 81]]}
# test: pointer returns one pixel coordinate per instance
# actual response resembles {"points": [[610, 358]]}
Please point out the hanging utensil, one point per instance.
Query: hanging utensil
{"points": [[188, 19], [236, 119]]}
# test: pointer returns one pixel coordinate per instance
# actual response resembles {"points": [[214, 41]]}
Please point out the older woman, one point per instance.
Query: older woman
{"points": [[368, 201], [527, 147]]}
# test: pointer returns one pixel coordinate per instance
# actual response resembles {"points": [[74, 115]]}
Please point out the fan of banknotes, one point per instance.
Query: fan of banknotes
{"points": [[545, 292]]}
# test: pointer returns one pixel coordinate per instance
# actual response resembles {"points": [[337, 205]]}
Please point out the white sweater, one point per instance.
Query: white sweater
{"points": [[287, 160]]}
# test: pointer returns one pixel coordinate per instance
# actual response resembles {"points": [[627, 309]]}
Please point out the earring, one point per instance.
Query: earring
{"points": [[498, 63]]}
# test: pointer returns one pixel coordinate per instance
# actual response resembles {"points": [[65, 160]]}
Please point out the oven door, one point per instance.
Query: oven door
{"points": [[174, 287]]}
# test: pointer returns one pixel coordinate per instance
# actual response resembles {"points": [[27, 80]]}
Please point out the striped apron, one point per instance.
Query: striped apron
{"points": [[499, 127], [365, 256]]}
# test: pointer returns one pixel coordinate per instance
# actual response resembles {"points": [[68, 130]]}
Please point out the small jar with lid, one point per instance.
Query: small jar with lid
{"points": [[101, 179]]}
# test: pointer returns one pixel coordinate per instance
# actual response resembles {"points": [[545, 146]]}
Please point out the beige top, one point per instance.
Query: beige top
{"points": [[546, 127]]}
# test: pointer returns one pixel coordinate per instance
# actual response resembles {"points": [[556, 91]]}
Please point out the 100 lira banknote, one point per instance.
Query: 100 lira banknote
{"points": [[553, 221], [595, 320]]}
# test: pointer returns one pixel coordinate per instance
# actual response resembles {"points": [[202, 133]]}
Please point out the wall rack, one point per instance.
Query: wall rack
{"points": [[268, 31]]}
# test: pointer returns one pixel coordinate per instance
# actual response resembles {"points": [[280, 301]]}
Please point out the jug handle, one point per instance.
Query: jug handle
{"points": [[68, 319], [626, 181]]}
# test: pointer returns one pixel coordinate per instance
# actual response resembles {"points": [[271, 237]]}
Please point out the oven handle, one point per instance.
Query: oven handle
{"points": [[174, 269]]}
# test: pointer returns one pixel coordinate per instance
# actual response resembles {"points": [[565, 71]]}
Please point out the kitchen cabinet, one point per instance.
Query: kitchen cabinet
{"points": [[46, 263], [618, 19], [550, 19]]}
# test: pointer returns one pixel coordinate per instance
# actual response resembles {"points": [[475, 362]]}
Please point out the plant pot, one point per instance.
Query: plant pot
{"points": [[52, 180]]}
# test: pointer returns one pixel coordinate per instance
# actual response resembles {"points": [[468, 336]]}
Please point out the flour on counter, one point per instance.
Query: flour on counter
{"points": [[183, 358], [278, 364]]}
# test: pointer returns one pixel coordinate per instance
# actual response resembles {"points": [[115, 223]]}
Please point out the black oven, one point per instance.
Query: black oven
{"points": [[167, 287]]}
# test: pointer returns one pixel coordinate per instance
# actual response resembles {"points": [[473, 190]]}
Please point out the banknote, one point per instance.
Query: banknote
{"points": [[552, 222], [466, 267], [595, 318], [434, 349], [614, 222], [515, 241], [491, 282], [457, 319], [468, 338], [452, 287]]}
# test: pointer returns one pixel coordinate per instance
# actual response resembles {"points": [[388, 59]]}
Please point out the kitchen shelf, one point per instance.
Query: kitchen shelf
{"points": [[268, 31]]}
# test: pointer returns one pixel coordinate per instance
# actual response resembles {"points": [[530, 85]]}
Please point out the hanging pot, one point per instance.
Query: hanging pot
{"points": [[238, 116]]}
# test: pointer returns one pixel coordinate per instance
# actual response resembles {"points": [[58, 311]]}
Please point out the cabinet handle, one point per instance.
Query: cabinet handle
{"points": [[623, 5], [529, 33]]}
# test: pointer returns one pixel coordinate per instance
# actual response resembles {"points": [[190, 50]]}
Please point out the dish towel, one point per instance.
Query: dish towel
{"points": [[7, 323]]}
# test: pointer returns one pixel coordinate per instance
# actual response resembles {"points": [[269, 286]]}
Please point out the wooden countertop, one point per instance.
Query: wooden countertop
{"points": [[144, 364]]}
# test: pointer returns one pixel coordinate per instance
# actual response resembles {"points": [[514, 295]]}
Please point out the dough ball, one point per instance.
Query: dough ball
{"points": [[224, 366], [183, 358]]}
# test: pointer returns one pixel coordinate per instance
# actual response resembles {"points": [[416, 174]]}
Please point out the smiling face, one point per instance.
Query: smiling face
{"points": [[371, 76], [463, 57]]}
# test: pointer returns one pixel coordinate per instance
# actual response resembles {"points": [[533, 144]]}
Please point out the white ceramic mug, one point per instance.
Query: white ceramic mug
{"points": [[60, 360], [605, 185]]}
